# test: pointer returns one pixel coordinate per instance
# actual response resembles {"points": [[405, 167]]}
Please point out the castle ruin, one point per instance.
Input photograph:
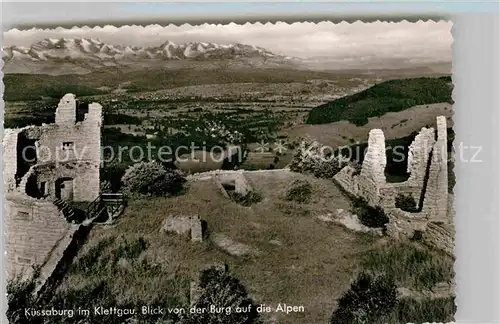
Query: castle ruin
{"points": [[46, 167], [427, 186]]}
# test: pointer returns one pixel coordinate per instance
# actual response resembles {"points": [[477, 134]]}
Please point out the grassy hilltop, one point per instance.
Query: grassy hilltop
{"points": [[388, 96]]}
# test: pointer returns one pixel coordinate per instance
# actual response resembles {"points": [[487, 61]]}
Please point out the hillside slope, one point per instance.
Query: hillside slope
{"points": [[388, 96]]}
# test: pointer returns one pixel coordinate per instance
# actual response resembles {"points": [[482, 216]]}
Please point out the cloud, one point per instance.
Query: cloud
{"points": [[418, 42]]}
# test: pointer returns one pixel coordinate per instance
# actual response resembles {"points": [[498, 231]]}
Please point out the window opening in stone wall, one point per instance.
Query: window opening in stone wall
{"points": [[43, 189], [67, 146], [82, 108], [26, 155], [23, 260], [64, 188], [396, 169], [23, 215]]}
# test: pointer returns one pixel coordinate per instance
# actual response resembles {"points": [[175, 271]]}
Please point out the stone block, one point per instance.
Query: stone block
{"points": [[184, 225], [196, 230]]}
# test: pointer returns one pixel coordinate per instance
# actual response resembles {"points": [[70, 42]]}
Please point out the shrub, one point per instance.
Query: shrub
{"points": [[151, 178], [300, 191], [113, 173], [368, 300], [406, 203], [246, 200], [374, 217], [356, 166], [221, 291], [106, 186], [417, 236], [19, 298], [311, 157]]}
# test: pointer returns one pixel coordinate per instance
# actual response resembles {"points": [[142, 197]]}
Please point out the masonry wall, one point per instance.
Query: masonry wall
{"points": [[441, 236], [404, 224], [372, 176], [83, 173], [418, 158], [347, 179], [33, 228], [10, 158], [427, 165], [436, 195], [85, 139], [60, 145]]}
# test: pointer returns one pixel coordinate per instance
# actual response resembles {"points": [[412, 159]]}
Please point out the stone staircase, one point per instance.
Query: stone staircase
{"points": [[65, 208]]}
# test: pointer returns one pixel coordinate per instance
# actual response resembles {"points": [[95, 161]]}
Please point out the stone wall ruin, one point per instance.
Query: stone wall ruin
{"points": [[427, 183], [43, 164], [191, 225]]}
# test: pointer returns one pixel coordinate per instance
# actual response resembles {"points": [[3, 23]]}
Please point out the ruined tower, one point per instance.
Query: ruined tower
{"points": [[418, 158], [372, 176], [62, 165], [66, 110], [436, 194]]}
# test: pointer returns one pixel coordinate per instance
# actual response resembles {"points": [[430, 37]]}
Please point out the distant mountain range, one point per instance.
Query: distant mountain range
{"points": [[93, 49], [84, 55]]}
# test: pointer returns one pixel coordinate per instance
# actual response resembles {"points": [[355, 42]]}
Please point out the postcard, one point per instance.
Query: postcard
{"points": [[230, 173]]}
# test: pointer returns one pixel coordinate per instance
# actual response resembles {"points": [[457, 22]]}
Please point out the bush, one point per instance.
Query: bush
{"points": [[246, 200], [111, 176], [368, 300], [152, 179], [406, 203], [310, 157], [356, 166], [218, 289], [106, 187], [417, 236], [374, 217], [300, 191], [19, 298]]}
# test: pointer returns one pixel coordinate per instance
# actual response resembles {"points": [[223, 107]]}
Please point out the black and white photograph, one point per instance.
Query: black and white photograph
{"points": [[291, 173]]}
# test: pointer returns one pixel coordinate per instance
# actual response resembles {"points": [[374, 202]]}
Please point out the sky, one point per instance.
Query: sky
{"points": [[151, 24], [423, 41], [56, 13]]}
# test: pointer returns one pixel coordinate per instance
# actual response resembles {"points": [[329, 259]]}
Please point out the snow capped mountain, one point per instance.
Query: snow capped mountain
{"points": [[95, 50]]}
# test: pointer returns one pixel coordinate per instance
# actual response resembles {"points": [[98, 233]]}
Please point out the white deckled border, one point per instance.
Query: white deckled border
{"points": [[476, 78]]}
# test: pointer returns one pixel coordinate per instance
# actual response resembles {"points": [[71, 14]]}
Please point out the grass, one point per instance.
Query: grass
{"points": [[303, 267], [118, 265], [300, 191], [410, 264], [410, 310]]}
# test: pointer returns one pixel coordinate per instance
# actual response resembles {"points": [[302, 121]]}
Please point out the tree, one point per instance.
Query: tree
{"points": [[151, 178], [224, 299], [312, 157], [368, 300]]}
